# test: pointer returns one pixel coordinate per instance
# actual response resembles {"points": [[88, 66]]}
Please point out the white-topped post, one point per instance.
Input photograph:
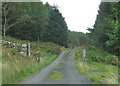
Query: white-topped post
{"points": [[84, 57]]}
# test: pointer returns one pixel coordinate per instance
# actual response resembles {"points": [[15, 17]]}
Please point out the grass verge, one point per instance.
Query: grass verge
{"points": [[16, 68], [98, 72]]}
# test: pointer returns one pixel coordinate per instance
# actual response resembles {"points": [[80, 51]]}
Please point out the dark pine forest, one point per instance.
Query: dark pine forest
{"points": [[40, 22]]}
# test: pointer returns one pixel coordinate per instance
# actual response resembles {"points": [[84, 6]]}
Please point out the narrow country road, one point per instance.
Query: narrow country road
{"points": [[66, 65]]}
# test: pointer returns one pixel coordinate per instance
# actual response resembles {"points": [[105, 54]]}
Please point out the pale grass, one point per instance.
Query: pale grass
{"points": [[83, 69], [112, 79], [0, 65]]}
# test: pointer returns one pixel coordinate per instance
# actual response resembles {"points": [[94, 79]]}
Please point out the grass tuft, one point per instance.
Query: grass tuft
{"points": [[56, 75], [83, 69]]}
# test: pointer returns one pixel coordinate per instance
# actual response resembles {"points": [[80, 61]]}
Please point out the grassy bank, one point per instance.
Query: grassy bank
{"points": [[16, 68], [97, 71]]}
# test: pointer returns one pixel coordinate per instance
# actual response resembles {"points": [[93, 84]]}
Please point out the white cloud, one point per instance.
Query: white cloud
{"points": [[79, 14]]}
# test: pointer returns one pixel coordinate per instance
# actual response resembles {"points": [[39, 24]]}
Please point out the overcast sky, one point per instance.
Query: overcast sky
{"points": [[79, 14]]}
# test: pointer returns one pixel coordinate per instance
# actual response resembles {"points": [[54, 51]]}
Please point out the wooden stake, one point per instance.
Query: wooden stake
{"points": [[84, 57], [28, 49]]}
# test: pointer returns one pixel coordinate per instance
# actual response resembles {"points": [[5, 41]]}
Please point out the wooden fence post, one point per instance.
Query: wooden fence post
{"points": [[84, 57], [28, 49]]}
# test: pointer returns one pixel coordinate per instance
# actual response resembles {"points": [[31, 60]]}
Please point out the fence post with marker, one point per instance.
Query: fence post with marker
{"points": [[84, 57]]}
